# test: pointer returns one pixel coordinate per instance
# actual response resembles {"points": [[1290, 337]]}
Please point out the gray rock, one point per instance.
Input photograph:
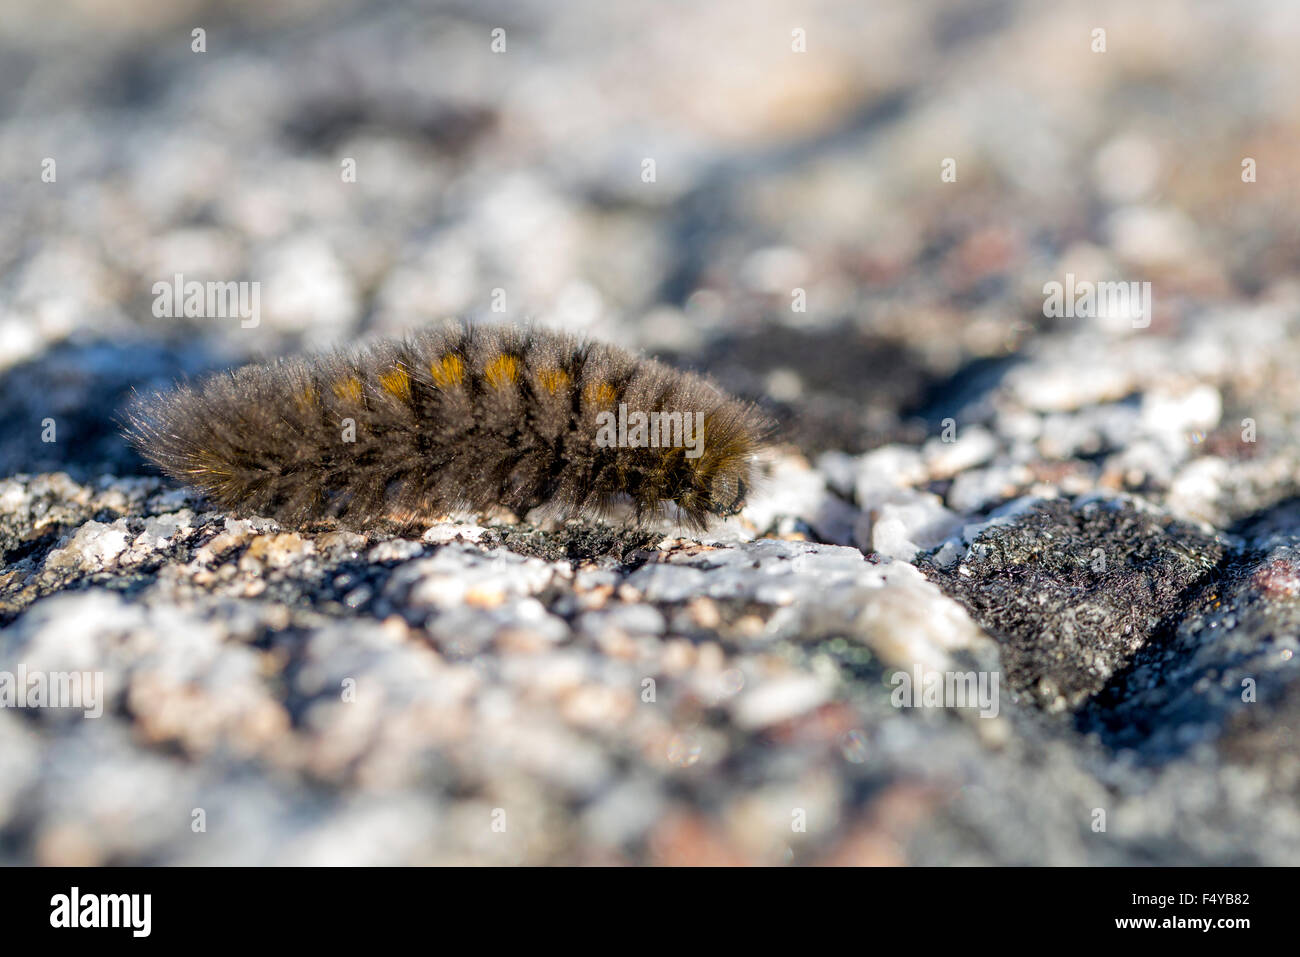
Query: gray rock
{"points": [[616, 694]]}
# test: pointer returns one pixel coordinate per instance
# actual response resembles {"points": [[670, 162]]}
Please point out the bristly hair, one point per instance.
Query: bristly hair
{"points": [[460, 419]]}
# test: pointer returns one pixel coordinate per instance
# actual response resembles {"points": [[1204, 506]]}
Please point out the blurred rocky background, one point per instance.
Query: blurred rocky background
{"points": [[846, 211]]}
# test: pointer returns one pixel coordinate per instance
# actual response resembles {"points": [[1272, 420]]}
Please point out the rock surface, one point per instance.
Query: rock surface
{"points": [[1094, 518]]}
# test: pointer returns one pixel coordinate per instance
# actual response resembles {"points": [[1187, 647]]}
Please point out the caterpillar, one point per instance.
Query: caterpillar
{"points": [[458, 419]]}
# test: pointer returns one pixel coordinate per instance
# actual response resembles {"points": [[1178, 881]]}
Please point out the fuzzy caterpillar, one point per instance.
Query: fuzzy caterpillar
{"points": [[458, 419]]}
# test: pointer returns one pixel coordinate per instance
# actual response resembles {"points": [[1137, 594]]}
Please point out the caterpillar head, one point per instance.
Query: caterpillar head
{"points": [[720, 481], [721, 491]]}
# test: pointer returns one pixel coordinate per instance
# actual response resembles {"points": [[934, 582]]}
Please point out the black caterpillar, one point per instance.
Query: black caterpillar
{"points": [[455, 420]]}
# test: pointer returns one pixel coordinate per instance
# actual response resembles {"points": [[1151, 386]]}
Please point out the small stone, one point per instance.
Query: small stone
{"points": [[93, 547], [779, 700]]}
